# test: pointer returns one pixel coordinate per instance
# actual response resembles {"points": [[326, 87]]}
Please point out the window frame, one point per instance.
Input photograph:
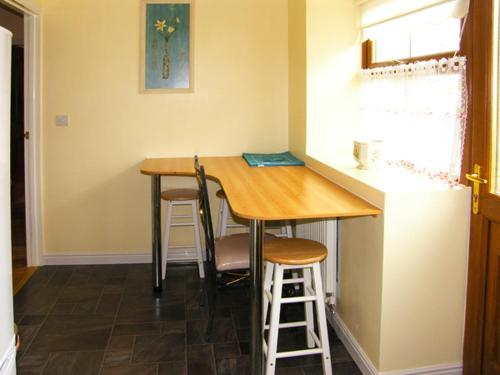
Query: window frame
{"points": [[368, 63]]}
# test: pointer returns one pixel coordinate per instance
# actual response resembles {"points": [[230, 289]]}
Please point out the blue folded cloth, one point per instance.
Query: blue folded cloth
{"points": [[271, 160]]}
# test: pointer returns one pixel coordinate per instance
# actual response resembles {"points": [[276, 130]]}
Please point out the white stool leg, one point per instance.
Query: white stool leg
{"points": [[225, 218], [219, 219], [321, 316], [272, 342], [268, 281], [308, 307], [199, 255], [166, 240], [286, 229]]}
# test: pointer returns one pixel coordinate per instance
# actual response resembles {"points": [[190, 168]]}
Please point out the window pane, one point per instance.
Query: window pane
{"points": [[424, 33]]}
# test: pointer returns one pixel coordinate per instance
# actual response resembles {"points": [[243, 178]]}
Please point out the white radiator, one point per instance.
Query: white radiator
{"points": [[324, 231]]}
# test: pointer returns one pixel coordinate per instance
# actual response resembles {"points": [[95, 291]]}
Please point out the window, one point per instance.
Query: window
{"points": [[424, 33], [418, 108]]}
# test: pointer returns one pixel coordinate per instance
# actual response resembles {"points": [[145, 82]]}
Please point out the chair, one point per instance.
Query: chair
{"points": [[224, 215], [294, 254], [179, 198], [228, 255]]}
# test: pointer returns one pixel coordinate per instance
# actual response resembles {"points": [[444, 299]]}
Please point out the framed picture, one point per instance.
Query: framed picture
{"points": [[167, 46]]}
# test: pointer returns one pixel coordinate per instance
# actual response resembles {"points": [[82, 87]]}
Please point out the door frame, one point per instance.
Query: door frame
{"points": [[32, 38], [478, 46]]}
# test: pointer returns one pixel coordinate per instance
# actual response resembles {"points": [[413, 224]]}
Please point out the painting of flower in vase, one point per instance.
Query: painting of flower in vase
{"points": [[167, 51]]}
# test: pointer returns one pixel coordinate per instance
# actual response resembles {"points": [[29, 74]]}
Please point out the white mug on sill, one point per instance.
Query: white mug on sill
{"points": [[369, 154]]}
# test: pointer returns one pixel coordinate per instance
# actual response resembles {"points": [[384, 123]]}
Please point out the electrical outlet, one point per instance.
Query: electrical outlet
{"points": [[62, 120]]}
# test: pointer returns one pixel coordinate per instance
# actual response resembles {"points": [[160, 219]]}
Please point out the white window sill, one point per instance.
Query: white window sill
{"points": [[392, 179]]}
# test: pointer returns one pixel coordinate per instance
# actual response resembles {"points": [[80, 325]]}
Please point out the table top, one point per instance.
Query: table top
{"points": [[269, 193]]}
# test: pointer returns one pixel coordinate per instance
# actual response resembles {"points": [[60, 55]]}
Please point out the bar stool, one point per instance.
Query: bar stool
{"points": [[224, 214], [286, 254], [182, 197]]}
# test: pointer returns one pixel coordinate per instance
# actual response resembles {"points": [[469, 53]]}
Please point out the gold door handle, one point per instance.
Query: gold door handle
{"points": [[476, 179]]}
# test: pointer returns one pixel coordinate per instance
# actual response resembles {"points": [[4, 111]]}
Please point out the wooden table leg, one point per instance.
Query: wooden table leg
{"points": [[156, 235], [256, 333]]}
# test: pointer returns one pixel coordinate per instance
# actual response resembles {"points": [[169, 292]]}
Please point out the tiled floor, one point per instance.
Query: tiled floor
{"points": [[106, 320]]}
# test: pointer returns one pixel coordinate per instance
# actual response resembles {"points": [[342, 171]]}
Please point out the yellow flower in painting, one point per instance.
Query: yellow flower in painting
{"points": [[160, 25], [170, 29], [177, 19]]}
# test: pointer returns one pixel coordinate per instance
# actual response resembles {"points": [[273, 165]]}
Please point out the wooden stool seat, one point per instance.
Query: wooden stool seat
{"points": [[294, 251], [180, 195]]}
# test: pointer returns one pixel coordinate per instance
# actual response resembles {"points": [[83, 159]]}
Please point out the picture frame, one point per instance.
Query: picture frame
{"points": [[166, 46]]}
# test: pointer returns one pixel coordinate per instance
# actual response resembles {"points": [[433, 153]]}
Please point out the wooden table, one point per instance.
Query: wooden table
{"points": [[257, 194]]}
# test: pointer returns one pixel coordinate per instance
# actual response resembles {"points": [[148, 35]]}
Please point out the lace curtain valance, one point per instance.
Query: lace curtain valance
{"points": [[420, 111]]}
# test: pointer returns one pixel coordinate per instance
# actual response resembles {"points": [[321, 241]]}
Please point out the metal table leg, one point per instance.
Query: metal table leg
{"points": [[256, 334], [156, 226]]}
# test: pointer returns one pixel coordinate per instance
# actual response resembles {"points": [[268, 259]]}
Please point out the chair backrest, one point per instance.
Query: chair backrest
{"points": [[205, 213]]}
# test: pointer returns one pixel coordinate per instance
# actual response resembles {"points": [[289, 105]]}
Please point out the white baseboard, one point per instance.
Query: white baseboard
{"points": [[82, 259], [8, 359], [366, 366], [177, 254]]}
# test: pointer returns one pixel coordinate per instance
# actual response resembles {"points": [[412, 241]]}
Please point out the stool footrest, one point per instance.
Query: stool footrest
{"points": [[298, 353], [182, 224], [298, 299], [289, 325]]}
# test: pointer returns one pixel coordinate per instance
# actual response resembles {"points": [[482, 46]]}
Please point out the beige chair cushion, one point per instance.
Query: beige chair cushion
{"points": [[232, 252], [220, 194]]}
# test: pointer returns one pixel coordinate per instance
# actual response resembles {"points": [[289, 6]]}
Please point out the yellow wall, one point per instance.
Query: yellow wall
{"points": [[297, 94], [94, 199], [333, 61]]}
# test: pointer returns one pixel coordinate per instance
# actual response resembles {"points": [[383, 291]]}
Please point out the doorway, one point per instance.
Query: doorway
{"points": [[14, 21]]}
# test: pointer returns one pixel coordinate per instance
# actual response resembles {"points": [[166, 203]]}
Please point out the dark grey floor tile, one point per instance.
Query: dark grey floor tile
{"points": [[139, 313], [243, 334], [26, 334], [117, 358], [241, 318], [120, 343], [61, 308], [31, 364], [32, 320], [339, 353], [142, 369], [337, 369], [173, 368], [39, 303], [72, 333], [80, 294], [87, 307], [244, 347], [200, 360], [201, 313], [60, 278], [67, 310], [138, 329], [81, 363], [222, 331], [109, 303], [289, 371], [234, 366], [159, 348], [222, 351], [174, 326]]}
